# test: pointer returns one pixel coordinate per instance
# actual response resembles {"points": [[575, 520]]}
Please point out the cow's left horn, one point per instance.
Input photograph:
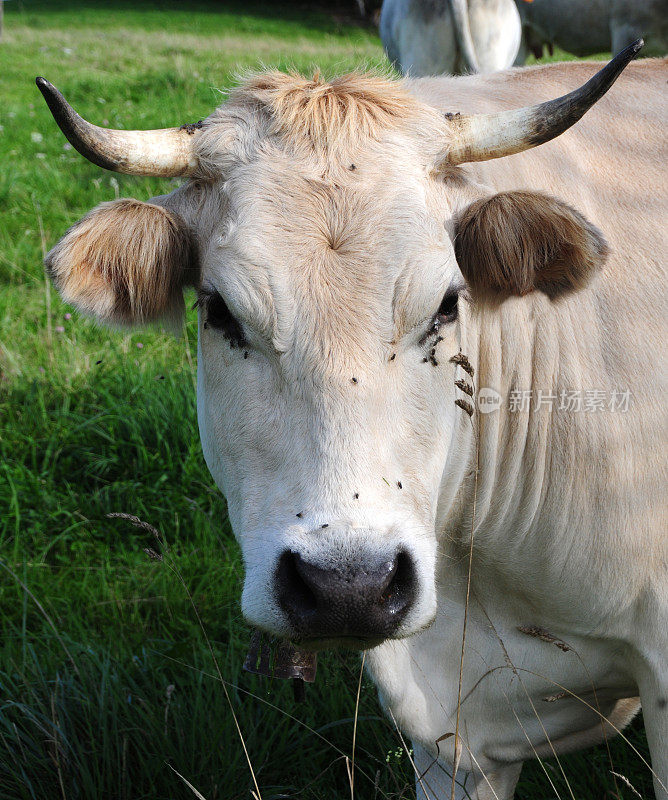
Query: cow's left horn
{"points": [[166, 153], [480, 137]]}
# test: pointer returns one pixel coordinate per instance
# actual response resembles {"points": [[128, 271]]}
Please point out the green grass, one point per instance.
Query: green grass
{"points": [[94, 632]]}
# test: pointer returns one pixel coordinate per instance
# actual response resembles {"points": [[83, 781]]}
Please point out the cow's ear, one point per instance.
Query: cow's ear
{"points": [[125, 262], [515, 242]]}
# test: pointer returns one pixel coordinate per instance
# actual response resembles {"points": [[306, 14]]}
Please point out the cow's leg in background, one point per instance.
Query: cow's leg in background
{"points": [[654, 700], [419, 44], [435, 781]]}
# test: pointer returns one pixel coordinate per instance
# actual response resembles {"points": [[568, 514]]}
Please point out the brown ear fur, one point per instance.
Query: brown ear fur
{"points": [[124, 262], [515, 242]]}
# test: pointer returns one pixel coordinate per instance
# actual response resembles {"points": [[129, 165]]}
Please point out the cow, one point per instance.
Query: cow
{"points": [[433, 37], [585, 28], [386, 271]]}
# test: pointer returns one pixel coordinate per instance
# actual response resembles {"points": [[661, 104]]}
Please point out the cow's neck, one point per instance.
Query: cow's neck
{"points": [[542, 556], [529, 509]]}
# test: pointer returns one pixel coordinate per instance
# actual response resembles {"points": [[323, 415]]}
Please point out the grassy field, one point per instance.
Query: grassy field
{"points": [[108, 685]]}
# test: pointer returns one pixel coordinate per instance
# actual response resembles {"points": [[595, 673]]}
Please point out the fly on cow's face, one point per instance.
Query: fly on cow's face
{"points": [[219, 316]]}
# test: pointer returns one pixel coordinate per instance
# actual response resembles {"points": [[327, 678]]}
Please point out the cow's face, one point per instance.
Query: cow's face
{"points": [[328, 314], [335, 285]]}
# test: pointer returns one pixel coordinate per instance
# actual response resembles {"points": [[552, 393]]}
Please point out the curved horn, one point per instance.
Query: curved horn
{"points": [[165, 153], [480, 137]]}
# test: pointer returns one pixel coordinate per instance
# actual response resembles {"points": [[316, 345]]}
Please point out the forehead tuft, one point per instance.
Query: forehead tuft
{"points": [[324, 117], [318, 111]]}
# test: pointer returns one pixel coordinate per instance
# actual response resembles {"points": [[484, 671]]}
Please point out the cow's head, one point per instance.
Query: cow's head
{"points": [[337, 249]]}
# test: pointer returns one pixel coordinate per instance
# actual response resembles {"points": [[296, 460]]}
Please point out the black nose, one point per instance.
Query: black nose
{"points": [[361, 600]]}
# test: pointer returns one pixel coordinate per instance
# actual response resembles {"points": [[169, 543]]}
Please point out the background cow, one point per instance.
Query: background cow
{"points": [[587, 27], [357, 286], [432, 37]]}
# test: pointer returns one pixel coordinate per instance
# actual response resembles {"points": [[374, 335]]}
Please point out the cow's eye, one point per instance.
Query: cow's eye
{"points": [[447, 311], [219, 316]]}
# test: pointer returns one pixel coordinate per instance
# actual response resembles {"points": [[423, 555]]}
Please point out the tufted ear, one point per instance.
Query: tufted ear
{"points": [[125, 262], [515, 242]]}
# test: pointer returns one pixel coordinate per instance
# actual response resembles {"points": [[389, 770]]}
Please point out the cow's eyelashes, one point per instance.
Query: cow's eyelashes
{"points": [[219, 316], [447, 311]]}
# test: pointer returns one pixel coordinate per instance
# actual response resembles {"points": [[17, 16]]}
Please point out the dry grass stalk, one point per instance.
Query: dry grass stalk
{"points": [[138, 523], [152, 554], [419, 777], [463, 404], [197, 793], [569, 693], [554, 697], [273, 706], [544, 636], [351, 768], [625, 780], [463, 362], [465, 386], [517, 671]]}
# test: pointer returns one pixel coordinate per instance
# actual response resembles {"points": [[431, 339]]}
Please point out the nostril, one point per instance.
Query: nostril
{"points": [[400, 588], [295, 594]]}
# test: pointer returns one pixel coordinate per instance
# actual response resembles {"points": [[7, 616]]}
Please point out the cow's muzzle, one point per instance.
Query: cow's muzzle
{"points": [[364, 601]]}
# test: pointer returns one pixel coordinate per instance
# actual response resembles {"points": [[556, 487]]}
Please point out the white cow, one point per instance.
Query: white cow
{"points": [[433, 37], [360, 290]]}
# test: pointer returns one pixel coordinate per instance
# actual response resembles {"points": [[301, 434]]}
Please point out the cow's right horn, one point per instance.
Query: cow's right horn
{"points": [[166, 153], [480, 137]]}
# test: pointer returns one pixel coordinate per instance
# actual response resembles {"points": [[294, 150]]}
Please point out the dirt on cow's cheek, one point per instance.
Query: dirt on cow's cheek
{"points": [[277, 658]]}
